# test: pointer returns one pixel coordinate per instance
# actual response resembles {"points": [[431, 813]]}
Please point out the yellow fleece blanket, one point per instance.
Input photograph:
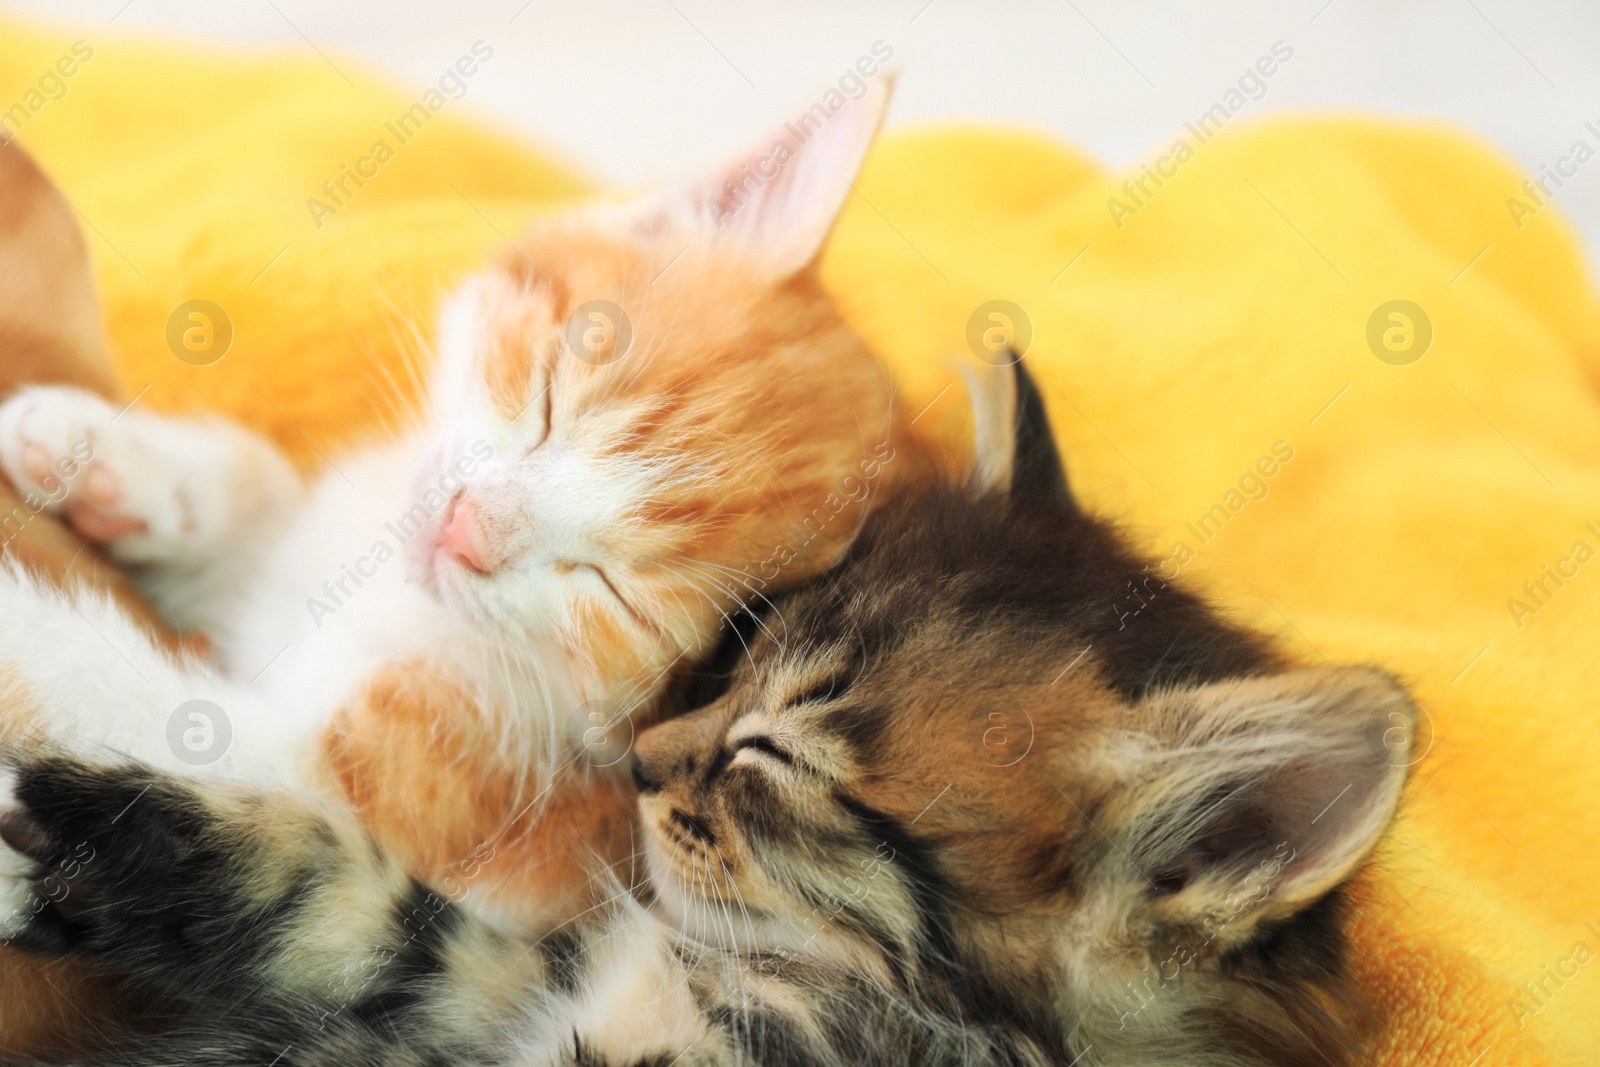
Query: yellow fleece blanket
{"points": [[1433, 504]]}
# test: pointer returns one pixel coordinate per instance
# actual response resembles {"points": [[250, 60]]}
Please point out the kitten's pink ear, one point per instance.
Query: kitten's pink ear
{"points": [[776, 204]]}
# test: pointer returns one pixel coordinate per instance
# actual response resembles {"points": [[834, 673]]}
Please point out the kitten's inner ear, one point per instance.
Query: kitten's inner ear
{"points": [[1265, 793], [776, 204], [1014, 447], [994, 428]]}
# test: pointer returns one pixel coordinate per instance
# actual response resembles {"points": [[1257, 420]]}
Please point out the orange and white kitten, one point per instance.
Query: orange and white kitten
{"points": [[648, 414]]}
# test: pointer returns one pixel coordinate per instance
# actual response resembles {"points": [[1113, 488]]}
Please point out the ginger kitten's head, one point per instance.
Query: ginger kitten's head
{"points": [[959, 764], [662, 411]]}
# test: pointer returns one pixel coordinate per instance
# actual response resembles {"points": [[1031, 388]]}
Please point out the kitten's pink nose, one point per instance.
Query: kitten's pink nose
{"points": [[459, 536]]}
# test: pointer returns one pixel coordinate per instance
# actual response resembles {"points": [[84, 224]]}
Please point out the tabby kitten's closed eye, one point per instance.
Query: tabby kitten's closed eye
{"points": [[846, 864]]}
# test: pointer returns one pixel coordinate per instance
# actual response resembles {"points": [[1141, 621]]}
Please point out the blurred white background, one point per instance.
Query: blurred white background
{"points": [[633, 90]]}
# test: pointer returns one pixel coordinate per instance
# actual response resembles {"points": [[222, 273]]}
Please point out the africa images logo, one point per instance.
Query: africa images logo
{"points": [[338, 191]]}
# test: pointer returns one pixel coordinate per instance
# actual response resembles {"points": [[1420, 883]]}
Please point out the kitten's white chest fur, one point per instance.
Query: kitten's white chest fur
{"points": [[336, 597], [303, 593]]}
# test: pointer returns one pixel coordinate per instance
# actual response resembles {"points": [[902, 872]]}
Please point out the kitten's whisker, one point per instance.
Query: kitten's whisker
{"points": [[728, 619], [762, 598]]}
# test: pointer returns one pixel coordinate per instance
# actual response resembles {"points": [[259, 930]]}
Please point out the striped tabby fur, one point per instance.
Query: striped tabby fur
{"points": [[955, 807]]}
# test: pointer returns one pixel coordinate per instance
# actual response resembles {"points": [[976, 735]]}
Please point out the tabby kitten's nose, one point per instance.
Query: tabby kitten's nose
{"points": [[642, 781], [458, 537]]}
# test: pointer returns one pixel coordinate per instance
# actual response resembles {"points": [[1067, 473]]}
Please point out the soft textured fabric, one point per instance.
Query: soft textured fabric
{"points": [[1183, 332]]}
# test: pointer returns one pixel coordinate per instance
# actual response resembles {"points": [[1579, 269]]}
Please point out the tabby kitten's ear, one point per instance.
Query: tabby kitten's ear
{"points": [[1014, 447], [776, 204], [1249, 800]]}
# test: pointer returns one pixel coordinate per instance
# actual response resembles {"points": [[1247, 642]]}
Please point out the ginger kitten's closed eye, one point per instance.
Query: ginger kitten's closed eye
{"points": [[645, 413], [840, 870]]}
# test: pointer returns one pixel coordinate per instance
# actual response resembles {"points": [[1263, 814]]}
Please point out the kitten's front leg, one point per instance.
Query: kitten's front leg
{"points": [[277, 923], [187, 501], [282, 934]]}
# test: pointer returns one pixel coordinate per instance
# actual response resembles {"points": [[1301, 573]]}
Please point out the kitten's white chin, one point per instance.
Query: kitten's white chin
{"points": [[669, 898], [431, 565], [705, 920], [676, 907], [447, 583]]}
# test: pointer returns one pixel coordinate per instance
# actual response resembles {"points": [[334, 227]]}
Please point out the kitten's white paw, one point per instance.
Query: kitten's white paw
{"points": [[17, 872], [69, 451]]}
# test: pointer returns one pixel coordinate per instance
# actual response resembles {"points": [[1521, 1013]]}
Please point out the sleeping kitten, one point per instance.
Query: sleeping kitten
{"points": [[450, 631], [952, 811]]}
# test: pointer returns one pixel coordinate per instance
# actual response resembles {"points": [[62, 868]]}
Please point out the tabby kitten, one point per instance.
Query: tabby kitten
{"points": [[955, 809]]}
